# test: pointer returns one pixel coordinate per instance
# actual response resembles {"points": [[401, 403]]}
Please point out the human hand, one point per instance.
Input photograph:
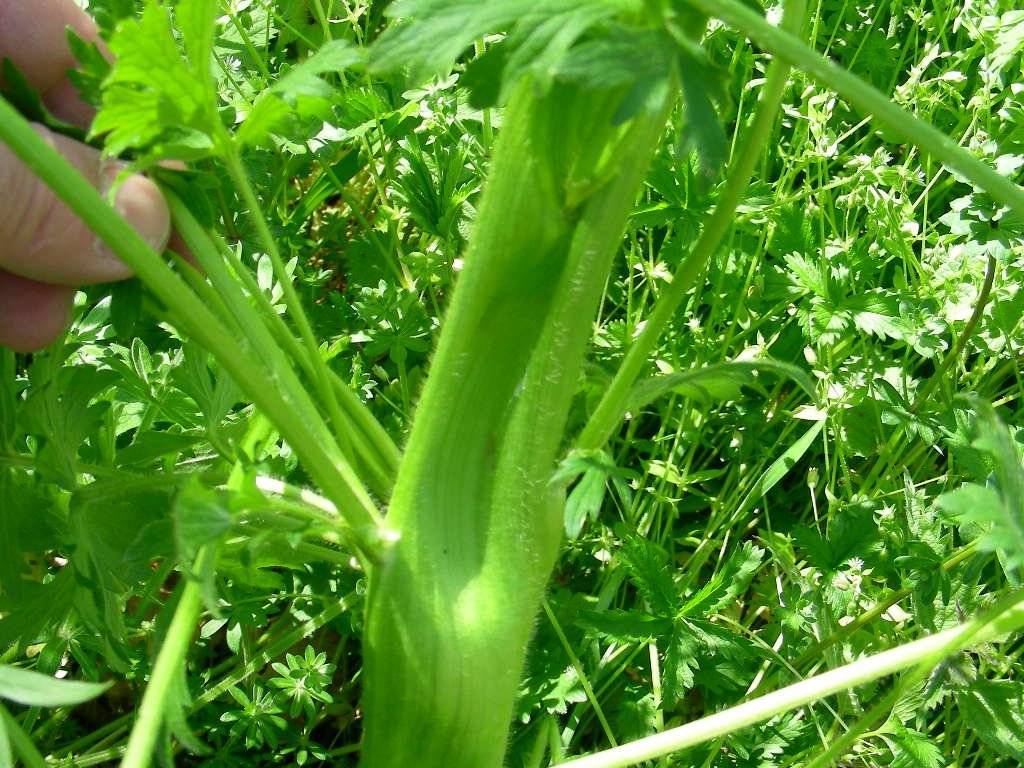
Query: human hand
{"points": [[45, 249]]}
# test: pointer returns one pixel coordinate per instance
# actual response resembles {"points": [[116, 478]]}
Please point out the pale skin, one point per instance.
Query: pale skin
{"points": [[46, 252]]}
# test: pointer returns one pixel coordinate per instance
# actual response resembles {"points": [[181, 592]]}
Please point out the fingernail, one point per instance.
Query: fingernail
{"points": [[139, 202]]}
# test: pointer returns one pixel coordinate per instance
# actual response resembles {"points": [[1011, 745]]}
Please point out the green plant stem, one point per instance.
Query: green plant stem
{"points": [[865, 97], [925, 664], [581, 673], [610, 409], [963, 338], [451, 610], [372, 447], [169, 663], [273, 391], [319, 369], [1007, 616], [19, 741]]}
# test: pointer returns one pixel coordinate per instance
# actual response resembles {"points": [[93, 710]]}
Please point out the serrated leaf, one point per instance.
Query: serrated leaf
{"points": [[43, 605], [433, 34], [281, 101], [702, 130], [852, 533], [681, 659], [994, 710], [200, 518], [635, 718], [646, 564], [913, 749], [32, 689], [997, 508], [726, 584], [624, 626], [585, 499], [154, 99], [611, 61]]}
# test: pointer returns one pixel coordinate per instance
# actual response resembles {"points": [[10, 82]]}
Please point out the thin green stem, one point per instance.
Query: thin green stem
{"points": [[581, 673], [274, 390], [963, 338], [609, 410], [1007, 616], [20, 743], [241, 179], [353, 422], [168, 664], [865, 97]]}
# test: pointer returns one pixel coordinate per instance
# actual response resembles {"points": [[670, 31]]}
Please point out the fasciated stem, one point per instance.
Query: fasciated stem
{"points": [[478, 523]]}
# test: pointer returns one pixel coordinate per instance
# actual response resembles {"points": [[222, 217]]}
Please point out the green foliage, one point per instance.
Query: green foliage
{"points": [[156, 98], [719, 546]]}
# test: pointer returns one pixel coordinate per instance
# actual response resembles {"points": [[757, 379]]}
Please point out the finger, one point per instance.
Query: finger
{"points": [[32, 315], [42, 239], [33, 35]]}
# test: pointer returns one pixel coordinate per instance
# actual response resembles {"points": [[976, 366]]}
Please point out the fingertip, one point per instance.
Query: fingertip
{"points": [[142, 204], [33, 315]]}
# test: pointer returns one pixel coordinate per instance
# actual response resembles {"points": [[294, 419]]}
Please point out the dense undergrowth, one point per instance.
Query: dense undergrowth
{"points": [[735, 535]]}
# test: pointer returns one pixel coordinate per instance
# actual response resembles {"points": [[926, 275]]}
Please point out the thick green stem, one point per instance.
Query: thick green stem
{"points": [[452, 607]]}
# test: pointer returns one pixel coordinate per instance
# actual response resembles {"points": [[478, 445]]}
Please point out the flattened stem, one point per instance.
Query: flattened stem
{"points": [[452, 606]]}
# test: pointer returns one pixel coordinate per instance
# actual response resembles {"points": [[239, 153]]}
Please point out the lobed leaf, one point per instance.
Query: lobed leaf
{"points": [[728, 582]]}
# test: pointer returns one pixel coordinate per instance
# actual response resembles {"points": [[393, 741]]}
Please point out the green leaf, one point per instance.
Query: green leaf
{"points": [[702, 130], [32, 689], [125, 306], [728, 582], [681, 659], [585, 499], [43, 605], [6, 755], [278, 104], [912, 749], [92, 70], [624, 626], [722, 381], [435, 33], [853, 532], [200, 518], [636, 717], [15, 88], [997, 508], [779, 468], [647, 567], [154, 99], [994, 710], [60, 412]]}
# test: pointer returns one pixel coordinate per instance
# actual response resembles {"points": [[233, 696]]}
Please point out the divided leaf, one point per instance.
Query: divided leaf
{"points": [[852, 533], [646, 564], [728, 582], [998, 507], [278, 104], [155, 100]]}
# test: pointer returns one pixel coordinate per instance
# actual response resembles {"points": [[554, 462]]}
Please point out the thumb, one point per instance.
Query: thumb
{"points": [[43, 240]]}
